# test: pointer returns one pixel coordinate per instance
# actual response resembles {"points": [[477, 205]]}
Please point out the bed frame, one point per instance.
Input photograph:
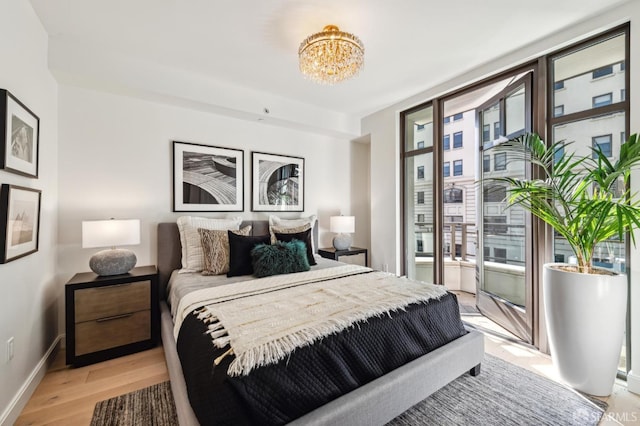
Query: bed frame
{"points": [[375, 403]]}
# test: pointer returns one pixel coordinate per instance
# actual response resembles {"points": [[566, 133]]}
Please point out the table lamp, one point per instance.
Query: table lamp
{"points": [[111, 233], [343, 226]]}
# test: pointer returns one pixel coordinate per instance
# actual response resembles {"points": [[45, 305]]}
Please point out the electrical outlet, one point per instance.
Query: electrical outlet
{"points": [[10, 349]]}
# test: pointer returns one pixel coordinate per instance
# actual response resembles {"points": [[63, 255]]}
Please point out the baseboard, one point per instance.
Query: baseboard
{"points": [[11, 413], [633, 382]]}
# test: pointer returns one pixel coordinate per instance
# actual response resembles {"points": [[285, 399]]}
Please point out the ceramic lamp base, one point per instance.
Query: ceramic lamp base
{"points": [[342, 241], [112, 262]]}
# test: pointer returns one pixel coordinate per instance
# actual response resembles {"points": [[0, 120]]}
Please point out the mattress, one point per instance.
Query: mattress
{"points": [[312, 375]]}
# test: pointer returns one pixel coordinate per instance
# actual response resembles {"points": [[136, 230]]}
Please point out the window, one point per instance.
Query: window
{"points": [[457, 140], [446, 143], [486, 133], [623, 137], [500, 161], [557, 155], [453, 219], [446, 169], [496, 130], [420, 218], [420, 172], [419, 245], [602, 100], [495, 224], [453, 195], [623, 95], [457, 168], [494, 194], [446, 120], [419, 126], [420, 197], [603, 142], [486, 163], [622, 66], [457, 117], [420, 145], [601, 72], [558, 85], [500, 255], [558, 111]]}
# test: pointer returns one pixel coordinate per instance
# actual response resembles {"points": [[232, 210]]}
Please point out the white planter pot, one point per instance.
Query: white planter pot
{"points": [[585, 316]]}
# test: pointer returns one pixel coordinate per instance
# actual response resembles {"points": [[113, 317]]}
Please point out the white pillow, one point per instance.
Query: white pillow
{"points": [[192, 253], [294, 223]]}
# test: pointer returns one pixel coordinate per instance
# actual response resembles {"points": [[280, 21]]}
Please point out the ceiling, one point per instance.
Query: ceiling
{"points": [[411, 45]]}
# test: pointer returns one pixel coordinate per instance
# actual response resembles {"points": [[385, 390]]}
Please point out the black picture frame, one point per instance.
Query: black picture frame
{"points": [[19, 221], [277, 183], [207, 178], [20, 140]]}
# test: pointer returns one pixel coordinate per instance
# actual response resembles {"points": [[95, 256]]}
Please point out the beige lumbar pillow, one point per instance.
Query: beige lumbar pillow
{"points": [[215, 247], [192, 256]]}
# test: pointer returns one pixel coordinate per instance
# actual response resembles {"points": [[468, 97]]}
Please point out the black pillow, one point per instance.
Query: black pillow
{"points": [[240, 247], [305, 237]]}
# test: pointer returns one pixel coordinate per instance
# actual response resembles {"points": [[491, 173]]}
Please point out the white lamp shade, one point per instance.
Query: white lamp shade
{"points": [[110, 233], [342, 224]]}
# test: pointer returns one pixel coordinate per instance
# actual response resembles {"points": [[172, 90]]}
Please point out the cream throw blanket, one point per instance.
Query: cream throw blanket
{"points": [[294, 310]]}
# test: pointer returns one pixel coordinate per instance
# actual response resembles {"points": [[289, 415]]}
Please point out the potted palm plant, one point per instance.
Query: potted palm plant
{"points": [[586, 200]]}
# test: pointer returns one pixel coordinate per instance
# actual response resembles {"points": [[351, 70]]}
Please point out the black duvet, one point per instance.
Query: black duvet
{"points": [[313, 375]]}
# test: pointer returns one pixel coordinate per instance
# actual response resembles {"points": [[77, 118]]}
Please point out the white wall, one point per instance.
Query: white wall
{"points": [[115, 159], [29, 302], [383, 126]]}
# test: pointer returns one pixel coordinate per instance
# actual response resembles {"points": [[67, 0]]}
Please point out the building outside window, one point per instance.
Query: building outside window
{"points": [[496, 130], [446, 120], [420, 145], [558, 85], [558, 111], [602, 100], [420, 195], [601, 72], [457, 140], [446, 169], [420, 218], [420, 172], [500, 161], [419, 126], [453, 195], [446, 143], [486, 133], [457, 117], [457, 168], [486, 163], [557, 155]]}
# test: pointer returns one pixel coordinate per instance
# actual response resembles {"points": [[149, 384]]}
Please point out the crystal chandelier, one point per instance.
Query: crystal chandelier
{"points": [[331, 56]]}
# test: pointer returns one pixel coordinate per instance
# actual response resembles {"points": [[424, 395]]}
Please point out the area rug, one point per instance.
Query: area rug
{"points": [[503, 394]]}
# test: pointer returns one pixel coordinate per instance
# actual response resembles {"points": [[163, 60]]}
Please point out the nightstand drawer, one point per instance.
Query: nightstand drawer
{"points": [[108, 301], [111, 332]]}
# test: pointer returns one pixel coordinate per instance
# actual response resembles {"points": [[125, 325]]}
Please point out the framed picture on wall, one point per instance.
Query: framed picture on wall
{"points": [[19, 143], [277, 183], [207, 178], [19, 221]]}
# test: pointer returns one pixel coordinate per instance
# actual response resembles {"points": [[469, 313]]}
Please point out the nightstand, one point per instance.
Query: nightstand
{"points": [[332, 253], [107, 317]]}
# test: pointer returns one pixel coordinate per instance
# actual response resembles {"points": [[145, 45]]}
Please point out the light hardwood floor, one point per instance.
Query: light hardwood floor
{"points": [[67, 396]]}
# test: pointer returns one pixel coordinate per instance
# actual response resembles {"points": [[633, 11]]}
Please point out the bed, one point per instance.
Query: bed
{"points": [[375, 402]]}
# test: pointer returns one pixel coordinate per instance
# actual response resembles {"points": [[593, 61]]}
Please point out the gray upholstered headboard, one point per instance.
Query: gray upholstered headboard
{"points": [[170, 249]]}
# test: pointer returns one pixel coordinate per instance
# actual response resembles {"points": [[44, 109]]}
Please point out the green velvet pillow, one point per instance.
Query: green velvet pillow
{"points": [[279, 258]]}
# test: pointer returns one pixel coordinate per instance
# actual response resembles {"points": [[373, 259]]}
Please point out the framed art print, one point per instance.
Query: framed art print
{"points": [[207, 178], [277, 183], [19, 221], [19, 142]]}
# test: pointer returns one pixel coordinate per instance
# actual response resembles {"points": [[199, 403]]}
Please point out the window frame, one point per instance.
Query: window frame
{"points": [[461, 139], [446, 142], [502, 164], [600, 104], [455, 164]]}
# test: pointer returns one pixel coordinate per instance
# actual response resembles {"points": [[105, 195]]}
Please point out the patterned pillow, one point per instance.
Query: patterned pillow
{"points": [[215, 247], [192, 256], [280, 258]]}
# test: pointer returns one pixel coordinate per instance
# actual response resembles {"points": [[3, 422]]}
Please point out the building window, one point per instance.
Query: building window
{"points": [[494, 194], [419, 126], [420, 197], [453, 219], [500, 255], [604, 143], [457, 140], [419, 245], [496, 130], [486, 133], [495, 225], [421, 218], [500, 161], [446, 120], [558, 85], [486, 163], [420, 172], [446, 142], [601, 72], [557, 155], [457, 117], [446, 169], [602, 100], [457, 168], [420, 145], [623, 95], [623, 137], [622, 66], [453, 195], [558, 111]]}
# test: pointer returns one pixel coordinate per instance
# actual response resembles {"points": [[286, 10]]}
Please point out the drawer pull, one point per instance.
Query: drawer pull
{"points": [[115, 317], [112, 286]]}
